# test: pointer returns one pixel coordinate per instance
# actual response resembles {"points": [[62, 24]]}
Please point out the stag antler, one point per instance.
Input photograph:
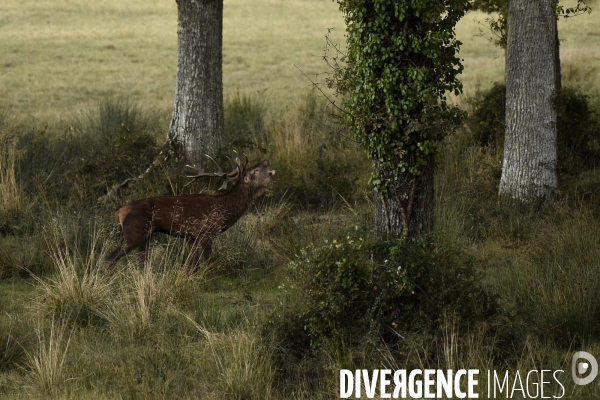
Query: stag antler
{"points": [[229, 176], [241, 168]]}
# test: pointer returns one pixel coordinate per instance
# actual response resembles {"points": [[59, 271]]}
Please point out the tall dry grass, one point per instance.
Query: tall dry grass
{"points": [[239, 361], [316, 162], [78, 290], [47, 362], [143, 304], [13, 199]]}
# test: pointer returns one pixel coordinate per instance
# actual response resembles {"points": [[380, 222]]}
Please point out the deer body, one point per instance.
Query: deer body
{"points": [[198, 218]]}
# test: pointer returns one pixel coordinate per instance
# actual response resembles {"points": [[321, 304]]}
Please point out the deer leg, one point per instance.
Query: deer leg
{"points": [[143, 254], [207, 251], [195, 257], [117, 254], [194, 245], [210, 265]]}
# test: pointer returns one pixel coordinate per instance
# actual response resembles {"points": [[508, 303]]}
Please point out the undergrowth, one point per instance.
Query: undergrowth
{"points": [[303, 289]]}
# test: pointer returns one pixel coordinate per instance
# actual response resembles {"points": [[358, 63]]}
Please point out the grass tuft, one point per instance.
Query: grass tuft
{"points": [[12, 198], [47, 363], [79, 289]]}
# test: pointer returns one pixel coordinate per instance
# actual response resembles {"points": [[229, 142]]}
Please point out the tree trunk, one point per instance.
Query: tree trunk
{"points": [[529, 165], [408, 210], [197, 123], [557, 68]]}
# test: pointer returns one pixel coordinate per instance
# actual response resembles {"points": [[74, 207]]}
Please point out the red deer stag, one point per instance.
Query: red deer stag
{"points": [[197, 217]]}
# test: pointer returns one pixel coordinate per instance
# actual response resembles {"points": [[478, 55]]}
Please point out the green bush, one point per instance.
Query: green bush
{"points": [[351, 288], [486, 120], [578, 138]]}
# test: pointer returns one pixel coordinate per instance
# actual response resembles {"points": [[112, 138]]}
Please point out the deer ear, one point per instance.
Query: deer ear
{"points": [[246, 179]]}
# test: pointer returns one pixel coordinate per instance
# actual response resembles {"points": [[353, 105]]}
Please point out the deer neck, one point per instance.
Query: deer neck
{"points": [[237, 201]]}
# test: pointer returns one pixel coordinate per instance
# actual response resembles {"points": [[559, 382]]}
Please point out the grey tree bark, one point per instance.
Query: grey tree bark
{"points": [[198, 123], [408, 210], [529, 165]]}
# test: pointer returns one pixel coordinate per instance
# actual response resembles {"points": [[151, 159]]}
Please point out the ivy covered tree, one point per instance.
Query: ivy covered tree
{"points": [[401, 61]]}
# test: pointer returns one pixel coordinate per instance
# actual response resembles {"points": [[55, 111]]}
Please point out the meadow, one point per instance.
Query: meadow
{"points": [[87, 96]]}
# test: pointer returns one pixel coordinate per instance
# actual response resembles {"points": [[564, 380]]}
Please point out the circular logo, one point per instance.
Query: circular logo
{"points": [[580, 367]]}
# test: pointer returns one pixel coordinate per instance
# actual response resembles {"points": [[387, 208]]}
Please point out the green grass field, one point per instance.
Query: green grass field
{"points": [[60, 56], [64, 56], [87, 94]]}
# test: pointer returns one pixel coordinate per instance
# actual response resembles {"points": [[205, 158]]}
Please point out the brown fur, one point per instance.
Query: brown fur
{"points": [[198, 217]]}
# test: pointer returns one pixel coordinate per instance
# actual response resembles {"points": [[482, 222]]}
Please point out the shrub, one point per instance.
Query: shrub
{"points": [[14, 339], [47, 362], [12, 200], [578, 138], [21, 257], [245, 248], [486, 119], [75, 164], [143, 306], [353, 287]]}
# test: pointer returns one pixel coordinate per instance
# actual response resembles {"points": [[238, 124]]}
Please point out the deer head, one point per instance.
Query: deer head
{"points": [[258, 177]]}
